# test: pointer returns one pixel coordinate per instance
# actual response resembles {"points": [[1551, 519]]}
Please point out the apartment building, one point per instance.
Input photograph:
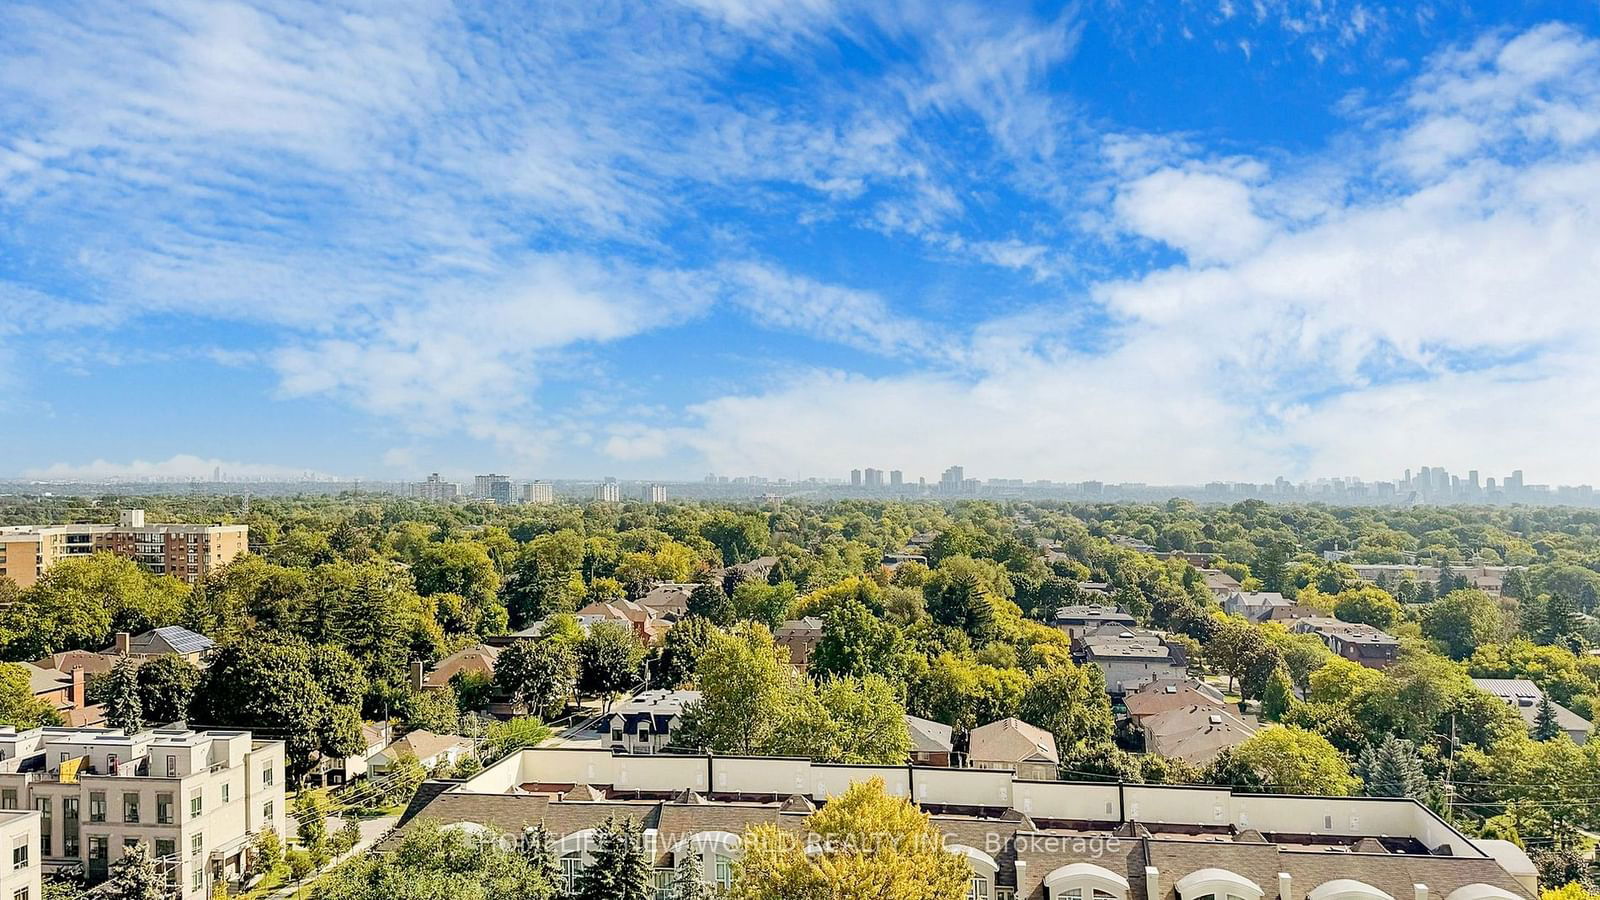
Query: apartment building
{"points": [[197, 798], [436, 488], [1021, 839], [540, 492], [188, 552], [23, 878]]}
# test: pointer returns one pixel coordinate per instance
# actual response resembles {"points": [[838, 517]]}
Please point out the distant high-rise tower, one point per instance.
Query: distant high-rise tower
{"points": [[855, 478], [896, 478], [539, 492], [492, 487], [950, 482], [608, 491], [873, 478], [658, 493]]}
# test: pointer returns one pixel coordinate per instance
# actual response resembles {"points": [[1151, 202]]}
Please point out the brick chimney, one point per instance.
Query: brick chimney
{"points": [[416, 675], [75, 692], [122, 643]]}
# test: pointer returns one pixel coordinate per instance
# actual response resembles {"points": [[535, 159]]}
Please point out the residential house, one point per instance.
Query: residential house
{"points": [[67, 694], [334, 771], [1220, 583], [1254, 605], [1195, 733], [433, 751], [1525, 696], [1093, 589], [896, 560], [1285, 615], [1020, 839], [1130, 658], [645, 722], [1013, 744], [477, 660], [799, 637], [1080, 620], [931, 742], [669, 600], [647, 625], [92, 664], [196, 648], [1160, 696], [197, 798], [1364, 644]]}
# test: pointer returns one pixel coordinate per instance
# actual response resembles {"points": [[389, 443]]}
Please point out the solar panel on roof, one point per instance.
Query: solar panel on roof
{"points": [[182, 640]]}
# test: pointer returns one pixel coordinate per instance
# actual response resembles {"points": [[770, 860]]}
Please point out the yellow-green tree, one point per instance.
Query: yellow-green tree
{"points": [[1296, 761], [874, 847]]}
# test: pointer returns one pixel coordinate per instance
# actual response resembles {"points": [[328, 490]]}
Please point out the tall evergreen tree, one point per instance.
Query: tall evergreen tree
{"points": [[134, 876], [124, 709], [619, 869], [688, 881], [1545, 725], [1392, 768], [540, 852]]}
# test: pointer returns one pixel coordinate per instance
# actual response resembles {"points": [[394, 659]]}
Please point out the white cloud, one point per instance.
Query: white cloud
{"points": [[1207, 215], [1445, 320], [180, 467]]}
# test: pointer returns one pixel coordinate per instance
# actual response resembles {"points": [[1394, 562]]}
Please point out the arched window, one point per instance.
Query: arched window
{"points": [[572, 852], [1086, 881], [1346, 889], [714, 852], [1217, 884], [980, 886], [571, 868], [1480, 891]]}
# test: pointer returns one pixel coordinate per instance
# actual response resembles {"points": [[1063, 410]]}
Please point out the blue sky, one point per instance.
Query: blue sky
{"points": [[1131, 241]]}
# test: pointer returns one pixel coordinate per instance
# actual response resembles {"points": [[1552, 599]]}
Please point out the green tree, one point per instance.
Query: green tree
{"points": [[506, 738], [862, 719], [345, 839], [1071, 703], [1546, 727], [123, 707], [1296, 761], [856, 642], [710, 602], [310, 695], [610, 660], [745, 684], [267, 853], [1392, 768], [619, 868], [872, 846], [681, 649], [18, 705], [431, 863], [311, 818], [166, 687], [81, 602], [1279, 696], [1462, 620], [538, 675], [1369, 606], [134, 875]]}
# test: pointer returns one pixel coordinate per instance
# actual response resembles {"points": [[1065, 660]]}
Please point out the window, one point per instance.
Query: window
{"points": [[129, 844], [130, 808], [724, 870], [166, 847], [226, 790], [663, 884], [97, 806], [195, 803], [198, 882], [21, 894], [46, 824], [172, 766], [111, 764], [8, 798], [97, 847], [266, 811], [266, 775], [19, 856], [196, 844], [616, 735], [571, 866], [1005, 893], [163, 809], [978, 888]]}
